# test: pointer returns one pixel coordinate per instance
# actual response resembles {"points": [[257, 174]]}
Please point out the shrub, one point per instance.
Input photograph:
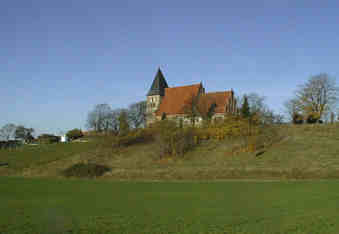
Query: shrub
{"points": [[254, 135], [74, 134], [133, 137], [202, 134], [267, 136], [48, 139], [86, 170], [172, 140], [230, 127], [312, 118], [297, 118]]}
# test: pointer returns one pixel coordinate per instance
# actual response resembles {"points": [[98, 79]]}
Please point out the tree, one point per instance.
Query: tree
{"points": [[245, 108], [332, 117], [258, 109], [317, 96], [292, 110], [113, 120], [278, 118], [23, 133], [7, 131], [137, 114], [163, 116], [123, 123], [256, 103], [99, 118], [74, 134], [103, 119]]}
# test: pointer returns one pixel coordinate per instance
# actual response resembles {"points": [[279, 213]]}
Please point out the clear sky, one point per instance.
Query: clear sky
{"points": [[60, 58]]}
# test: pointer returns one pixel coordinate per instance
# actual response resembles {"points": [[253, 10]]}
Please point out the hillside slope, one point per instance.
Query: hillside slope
{"points": [[305, 152]]}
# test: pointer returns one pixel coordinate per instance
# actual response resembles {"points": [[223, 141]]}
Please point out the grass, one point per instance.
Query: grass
{"points": [[306, 152], [91, 206], [33, 156]]}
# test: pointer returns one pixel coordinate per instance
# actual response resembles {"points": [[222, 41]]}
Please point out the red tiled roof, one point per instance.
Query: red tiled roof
{"points": [[221, 99], [175, 99]]}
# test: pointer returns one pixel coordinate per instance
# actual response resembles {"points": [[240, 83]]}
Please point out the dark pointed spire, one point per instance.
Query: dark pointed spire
{"points": [[159, 84]]}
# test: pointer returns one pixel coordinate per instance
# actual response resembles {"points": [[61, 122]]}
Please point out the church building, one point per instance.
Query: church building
{"points": [[173, 103]]}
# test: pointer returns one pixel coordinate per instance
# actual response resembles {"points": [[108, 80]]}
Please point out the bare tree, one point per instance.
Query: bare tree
{"points": [[258, 107], [7, 131], [292, 108], [123, 123], [113, 120], [317, 96], [332, 117], [99, 118], [256, 103], [23, 133], [137, 114]]}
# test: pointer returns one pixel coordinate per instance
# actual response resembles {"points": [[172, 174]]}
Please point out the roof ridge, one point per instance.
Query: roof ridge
{"points": [[198, 84], [228, 91]]}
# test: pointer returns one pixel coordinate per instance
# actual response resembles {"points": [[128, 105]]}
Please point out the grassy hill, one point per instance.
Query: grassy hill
{"points": [[305, 152]]}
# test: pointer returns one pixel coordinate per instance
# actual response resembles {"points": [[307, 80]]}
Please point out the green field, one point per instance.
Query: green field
{"points": [[92, 206]]}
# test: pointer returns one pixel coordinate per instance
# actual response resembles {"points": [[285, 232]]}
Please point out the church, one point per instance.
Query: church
{"points": [[172, 102]]}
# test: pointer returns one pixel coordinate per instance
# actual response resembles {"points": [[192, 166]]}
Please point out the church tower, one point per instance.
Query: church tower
{"points": [[155, 95]]}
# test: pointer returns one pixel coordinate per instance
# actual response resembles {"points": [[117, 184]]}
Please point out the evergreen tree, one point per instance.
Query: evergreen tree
{"points": [[163, 116], [245, 108]]}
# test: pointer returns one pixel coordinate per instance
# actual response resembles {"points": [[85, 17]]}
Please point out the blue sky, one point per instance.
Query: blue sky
{"points": [[60, 58]]}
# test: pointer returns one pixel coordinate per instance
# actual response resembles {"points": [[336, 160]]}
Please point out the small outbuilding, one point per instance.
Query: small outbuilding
{"points": [[64, 138]]}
